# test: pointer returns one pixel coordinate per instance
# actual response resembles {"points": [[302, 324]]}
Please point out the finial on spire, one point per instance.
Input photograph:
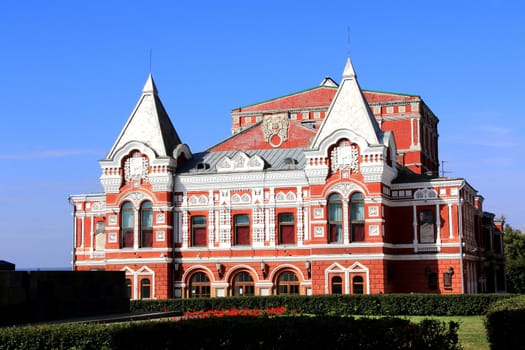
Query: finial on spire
{"points": [[150, 59], [348, 41]]}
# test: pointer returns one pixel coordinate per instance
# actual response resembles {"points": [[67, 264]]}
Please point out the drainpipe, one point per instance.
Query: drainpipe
{"points": [[460, 234]]}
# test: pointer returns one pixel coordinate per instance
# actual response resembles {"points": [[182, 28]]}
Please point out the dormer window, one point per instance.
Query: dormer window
{"points": [[202, 166]]}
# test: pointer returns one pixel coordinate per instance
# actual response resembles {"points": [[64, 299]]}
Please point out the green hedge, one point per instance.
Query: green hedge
{"points": [[505, 322], [377, 304], [323, 332]]}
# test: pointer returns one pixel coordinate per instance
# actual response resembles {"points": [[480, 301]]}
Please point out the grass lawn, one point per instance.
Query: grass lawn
{"points": [[472, 334]]}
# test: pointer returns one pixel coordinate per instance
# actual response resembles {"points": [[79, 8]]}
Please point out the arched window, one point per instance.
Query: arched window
{"points": [[287, 283], [243, 284], [199, 286], [286, 228], [198, 231], [335, 219], [128, 288], [145, 288], [126, 225], [242, 229], [358, 285], [337, 285], [357, 217], [146, 224]]}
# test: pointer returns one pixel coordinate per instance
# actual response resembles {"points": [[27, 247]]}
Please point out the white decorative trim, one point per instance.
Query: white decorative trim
{"points": [[373, 211], [426, 193], [240, 162], [345, 188], [288, 197], [112, 219], [112, 237], [373, 230], [160, 236], [99, 206], [136, 198], [200, 200]]}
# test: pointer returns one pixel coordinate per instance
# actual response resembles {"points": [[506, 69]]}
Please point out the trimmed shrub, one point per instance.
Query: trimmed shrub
{"points": [[505, 322], [323, 332], [337, 305]]}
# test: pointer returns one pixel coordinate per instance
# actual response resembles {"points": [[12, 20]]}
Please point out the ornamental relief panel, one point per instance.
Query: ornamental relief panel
{"points": [[240, 162], [345, 156], [275, 129], [345, 189], [425, 193], [136, 198], [136, 168], [200, 200], [288, 197]]}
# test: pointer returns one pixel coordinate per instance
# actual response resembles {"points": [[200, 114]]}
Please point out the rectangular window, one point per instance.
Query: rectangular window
{"points": [[286, 228], [426, 226], [358, 232], [198, 231], [357, 211], [242, 229]]}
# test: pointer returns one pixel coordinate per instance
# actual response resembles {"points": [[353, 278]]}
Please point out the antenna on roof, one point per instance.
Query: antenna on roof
{"points": [[150, 59], [348, 40], [443, 172]]}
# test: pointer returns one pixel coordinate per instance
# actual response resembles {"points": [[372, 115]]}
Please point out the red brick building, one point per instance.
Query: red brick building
{"points": [[328, 190]]}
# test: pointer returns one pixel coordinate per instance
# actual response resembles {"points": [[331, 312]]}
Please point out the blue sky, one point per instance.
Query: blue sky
{"points": [[72, 72]]}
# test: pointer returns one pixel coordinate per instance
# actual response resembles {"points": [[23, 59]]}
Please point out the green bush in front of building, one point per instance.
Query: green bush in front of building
{"points": [[338, 305], [505, 322], [304, 332]]}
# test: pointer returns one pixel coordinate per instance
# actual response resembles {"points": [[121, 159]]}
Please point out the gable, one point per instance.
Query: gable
{"points": [[286, 134]]}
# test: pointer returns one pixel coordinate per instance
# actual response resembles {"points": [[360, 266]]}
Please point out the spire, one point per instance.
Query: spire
{"points": [[349, 111], [349, 70], [149, 87], [149, 124]]}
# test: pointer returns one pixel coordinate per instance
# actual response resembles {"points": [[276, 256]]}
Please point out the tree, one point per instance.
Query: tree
{"points": [[514, 259]]}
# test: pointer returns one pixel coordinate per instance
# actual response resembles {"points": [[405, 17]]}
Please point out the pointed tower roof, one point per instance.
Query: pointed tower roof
{"points": [[149, 124], [349, 110]]}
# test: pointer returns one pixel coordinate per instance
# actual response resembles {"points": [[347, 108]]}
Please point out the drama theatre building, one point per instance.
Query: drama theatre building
{"points": [[330, 190]]}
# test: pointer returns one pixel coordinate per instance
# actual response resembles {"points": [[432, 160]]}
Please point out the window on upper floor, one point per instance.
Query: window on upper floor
{"points": [[242, 229], [198, 231], [426, 226], [146, 224], [100, 236], [126, 225], [286, 228], [335, 219], [357, 217]]}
